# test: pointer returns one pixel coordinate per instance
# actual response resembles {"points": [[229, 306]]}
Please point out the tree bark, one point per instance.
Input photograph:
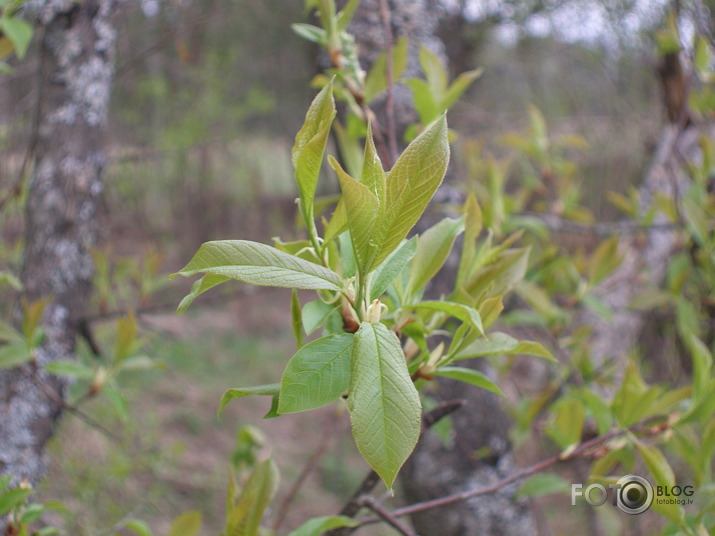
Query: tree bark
{"points": [[77, 43]]}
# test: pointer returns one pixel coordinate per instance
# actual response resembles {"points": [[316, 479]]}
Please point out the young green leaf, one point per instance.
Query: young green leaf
{"points": [[373, 174], [433, 248], [315, 313], [393, 265], [435, 73], [245, 517], [385, 409], [259, 264], [376, 80], [188, 524], [311, 33], [471, 376], [319, 525], [200, 286], [126, 337], [466, 314], [458, 87], [501, 343], [12, 355], [663, 475], [18, 31], [318, 374], [12, 498], [72, 369], [472, 228], [239, 392], [543, 484], [567, 423], [363, 212], [296, 318], [411, 183], [309, 147], [138, 527]]}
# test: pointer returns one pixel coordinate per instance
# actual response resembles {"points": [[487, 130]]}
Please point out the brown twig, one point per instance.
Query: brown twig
{"points": [[308, 468], [581, 450], [390, 99], [385, 515], [57, 399]]}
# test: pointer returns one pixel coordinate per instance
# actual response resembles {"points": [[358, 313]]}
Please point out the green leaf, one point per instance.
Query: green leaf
{"points": [[126, 335], [7, 278], [472, 229], [73, 369], [311, 33], [500, 343], [12, 355], [385, 409], [12, 498], [501, 275], [433, 248], [19, 32], [435, 73], [411, 183], [604, 260], [373, 174], [393, 266], [423, 100], [188, 524], [567, 423], [346, 14], [376, 79], [309, 147], [200, 286], [259, 264], [363, 212], [315, 313], [471, 376], [141, 362], [663, 475], [702, 365], [246, 515], [542, 484], [319, 525], [318, 374], [377, 228], [10, 334], [458, 87], [139, 527], [466, 314], [239, 392], [296, 318]]}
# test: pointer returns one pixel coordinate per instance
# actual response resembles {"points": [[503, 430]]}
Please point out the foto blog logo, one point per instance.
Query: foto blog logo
{"points": [[632, 494]]}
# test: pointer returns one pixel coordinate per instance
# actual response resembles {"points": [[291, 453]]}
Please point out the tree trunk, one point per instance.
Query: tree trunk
{"points": [[77, 43]]}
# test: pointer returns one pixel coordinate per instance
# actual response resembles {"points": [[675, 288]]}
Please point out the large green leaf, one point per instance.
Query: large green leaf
{"points": [[500, 343], [433, 248], [385, 408], [318, 374], [309, 147], [411, 183], [239, 392], [12, 498], [319, 525], [259, 264], [245, 517], [377, 225]]}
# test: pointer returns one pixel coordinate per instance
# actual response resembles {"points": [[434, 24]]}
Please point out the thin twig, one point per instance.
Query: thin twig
{"points": [[385, 515], [57, 399], [390, 99], [581, 450], [308, 468]]}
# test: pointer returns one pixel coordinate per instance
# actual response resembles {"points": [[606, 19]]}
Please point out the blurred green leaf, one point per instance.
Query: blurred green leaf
{"points": [[470, 376], [433, 248], [19, 32], [239, 392], [542, 484], [188, 524], [245, 517], [72, 369], [12, 355], [319, 525]]}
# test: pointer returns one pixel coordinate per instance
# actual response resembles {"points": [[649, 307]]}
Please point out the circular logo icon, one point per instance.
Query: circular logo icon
{"points": [[634, 494]]}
